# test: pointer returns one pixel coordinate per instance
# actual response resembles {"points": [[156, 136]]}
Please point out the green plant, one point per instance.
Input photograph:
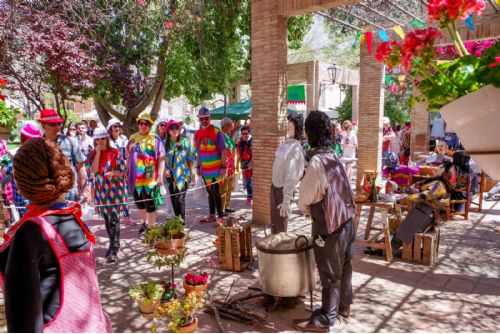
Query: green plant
{"points": [[146, 291], [161, 260], [172, 227], [180, 312], [8, 115]]}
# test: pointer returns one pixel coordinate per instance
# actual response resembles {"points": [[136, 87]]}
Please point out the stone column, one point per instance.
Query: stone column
{"points": [[355, 102], [313, 86], [420, 130], [269, 89], [371, 111]]}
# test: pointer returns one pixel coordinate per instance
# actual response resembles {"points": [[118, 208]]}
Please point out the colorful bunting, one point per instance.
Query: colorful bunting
{"points": [[388, 80], [469, 23], [418, 24], [369, 41], [399, 31], [361, 39], [383, 35], [356, 40]]}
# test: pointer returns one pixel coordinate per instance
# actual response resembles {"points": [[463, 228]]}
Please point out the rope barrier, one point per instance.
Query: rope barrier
{"points": [[151, 199]]}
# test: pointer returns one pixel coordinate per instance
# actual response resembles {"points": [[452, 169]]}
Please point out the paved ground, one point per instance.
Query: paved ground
{"points": [[460, 293]]}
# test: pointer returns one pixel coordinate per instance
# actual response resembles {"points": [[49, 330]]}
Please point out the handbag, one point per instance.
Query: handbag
{"points": [[418, 220]]}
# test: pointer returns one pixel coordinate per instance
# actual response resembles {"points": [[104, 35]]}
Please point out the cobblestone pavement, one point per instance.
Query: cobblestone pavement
{"points": [[459, 293]]}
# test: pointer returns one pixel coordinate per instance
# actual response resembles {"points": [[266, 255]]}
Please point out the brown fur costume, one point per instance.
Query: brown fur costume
{"points": [[42, 172]]}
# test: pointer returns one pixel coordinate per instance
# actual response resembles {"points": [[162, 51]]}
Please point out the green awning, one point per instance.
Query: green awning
{"points": [[236, 111]]}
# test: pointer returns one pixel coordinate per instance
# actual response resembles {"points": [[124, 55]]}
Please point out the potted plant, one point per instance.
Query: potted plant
{"points": [[181, 314], [168, 238], [8, 115], [168, 292], [147, 295], [465, 89], [196, 281]]}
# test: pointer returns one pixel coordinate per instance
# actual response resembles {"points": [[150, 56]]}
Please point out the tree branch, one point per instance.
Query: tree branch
{"points": [[158, 100], [107, 107], [159, 80]]}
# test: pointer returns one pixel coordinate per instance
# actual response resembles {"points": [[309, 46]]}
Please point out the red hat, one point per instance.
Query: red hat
{"points": [[172, 122], [50, 116]]}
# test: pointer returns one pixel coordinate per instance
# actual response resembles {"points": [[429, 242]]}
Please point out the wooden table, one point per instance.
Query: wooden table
{"points": [[384, 208]]}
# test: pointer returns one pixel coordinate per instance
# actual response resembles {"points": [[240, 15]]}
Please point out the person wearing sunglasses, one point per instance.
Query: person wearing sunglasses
{"points": [[180, 159], [51, 125], [146, 165], [161, 131], [211, 163], [107, 166], [245, 161], [71, 132], [116, 139]]}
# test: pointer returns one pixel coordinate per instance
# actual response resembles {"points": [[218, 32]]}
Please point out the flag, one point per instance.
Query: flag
{"points": [[401, 79], [356, 40], [362, 38], [296, 94], [399, 31], [383, 35], [388, 80], [369, 41], [416, 23], [469, 23]]}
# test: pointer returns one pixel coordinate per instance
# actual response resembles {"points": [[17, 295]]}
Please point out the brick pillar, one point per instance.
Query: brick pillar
{"points": [[420, 128], [313, 86], [269, 89], [355, 102], [371, 111]]}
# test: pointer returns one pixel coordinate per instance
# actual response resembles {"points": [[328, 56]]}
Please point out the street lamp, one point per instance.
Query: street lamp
{"points": [[332, 75]]}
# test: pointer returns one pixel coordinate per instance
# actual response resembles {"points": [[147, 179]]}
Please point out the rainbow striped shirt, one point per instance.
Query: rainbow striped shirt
{"points": [[209, 157]]}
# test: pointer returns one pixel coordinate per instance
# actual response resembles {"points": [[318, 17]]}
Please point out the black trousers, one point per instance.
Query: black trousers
{"points": [[280, 224], [335, 272], [112, 224], [214, 198], [178, 200]]}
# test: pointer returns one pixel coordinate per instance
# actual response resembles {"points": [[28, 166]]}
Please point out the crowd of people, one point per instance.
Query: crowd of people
{"points": [[55, 172]]}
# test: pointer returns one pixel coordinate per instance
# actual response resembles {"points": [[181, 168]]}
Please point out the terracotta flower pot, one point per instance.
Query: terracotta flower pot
{"points": [[200, 289], [5, 133], [149, 307], [475, 118], [193, 326]]}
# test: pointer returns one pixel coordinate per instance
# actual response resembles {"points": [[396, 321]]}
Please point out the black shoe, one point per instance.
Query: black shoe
{"points": [[230, 210], [143, 228], [111, 259]]}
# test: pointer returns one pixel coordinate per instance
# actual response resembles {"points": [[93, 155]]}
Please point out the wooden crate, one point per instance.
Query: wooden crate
{"points": [[235, 247], [424, 248]]}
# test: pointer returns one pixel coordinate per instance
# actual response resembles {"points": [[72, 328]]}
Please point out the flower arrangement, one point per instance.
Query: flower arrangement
{"points": [[441, 82], [180, 312], [196, 278]]}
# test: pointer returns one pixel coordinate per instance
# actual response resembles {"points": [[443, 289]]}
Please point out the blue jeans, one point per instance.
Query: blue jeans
{"points": [[248, 185]]}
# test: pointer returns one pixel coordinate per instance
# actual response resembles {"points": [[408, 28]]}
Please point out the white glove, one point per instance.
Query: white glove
{"points": [[284, 209]]}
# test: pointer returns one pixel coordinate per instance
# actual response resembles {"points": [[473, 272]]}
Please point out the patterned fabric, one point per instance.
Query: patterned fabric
{"points": [[209, 153], [120, 144], [72, 151], [109, 192], [245, 153], [144, 157], [230, 154], [433, 193], [177, 157]]}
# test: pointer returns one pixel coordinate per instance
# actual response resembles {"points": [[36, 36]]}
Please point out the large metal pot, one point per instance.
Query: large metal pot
{"points": [[287, 273]]}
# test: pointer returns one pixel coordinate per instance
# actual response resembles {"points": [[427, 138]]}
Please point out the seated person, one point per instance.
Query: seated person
{"points": [[440, 155], [400, 174], [434, 192]]}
